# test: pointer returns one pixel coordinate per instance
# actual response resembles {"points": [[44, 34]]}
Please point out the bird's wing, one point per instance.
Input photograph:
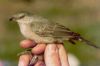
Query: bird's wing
{"points": [[55, 30], [50, 29]]}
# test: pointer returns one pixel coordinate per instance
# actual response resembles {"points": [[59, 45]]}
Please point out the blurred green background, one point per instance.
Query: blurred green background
{"points": [[82, 16]]}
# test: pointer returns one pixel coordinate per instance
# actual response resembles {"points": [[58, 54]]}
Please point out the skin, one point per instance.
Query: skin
{"points": [[54, 54]]}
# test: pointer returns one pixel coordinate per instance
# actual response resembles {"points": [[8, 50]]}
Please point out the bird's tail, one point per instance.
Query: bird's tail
{"points": [[77, 37], [88, 42]]}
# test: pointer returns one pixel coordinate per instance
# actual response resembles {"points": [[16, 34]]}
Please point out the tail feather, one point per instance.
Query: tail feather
{"points": [[72, 41], [89, 43], [77, 37]]}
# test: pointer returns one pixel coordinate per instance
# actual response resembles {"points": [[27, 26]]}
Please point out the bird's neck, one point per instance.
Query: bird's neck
{"points": [[26, 30], [24, 27]]}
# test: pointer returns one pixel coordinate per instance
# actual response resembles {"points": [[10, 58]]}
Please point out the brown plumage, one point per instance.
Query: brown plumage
{"points": [[43, 31]]}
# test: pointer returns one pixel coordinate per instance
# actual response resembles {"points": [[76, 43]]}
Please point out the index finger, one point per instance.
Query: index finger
{"points": [[27, 43]]}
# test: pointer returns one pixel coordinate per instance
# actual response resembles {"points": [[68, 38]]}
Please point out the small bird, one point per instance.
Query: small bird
{"points": [[41, 30]]}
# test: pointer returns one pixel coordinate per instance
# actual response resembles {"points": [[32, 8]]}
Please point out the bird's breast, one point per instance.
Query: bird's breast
{"points": [[26, 30], [28, 33]]}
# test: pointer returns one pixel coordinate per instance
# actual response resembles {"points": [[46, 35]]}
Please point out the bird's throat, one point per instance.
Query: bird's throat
{"points": [[26, 30]]}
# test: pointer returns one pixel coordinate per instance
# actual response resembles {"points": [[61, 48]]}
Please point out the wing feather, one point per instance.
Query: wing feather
{"points": [[50, 29]]}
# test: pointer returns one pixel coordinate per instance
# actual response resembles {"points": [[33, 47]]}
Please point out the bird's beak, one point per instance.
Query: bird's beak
{"points": [[11, 18]]}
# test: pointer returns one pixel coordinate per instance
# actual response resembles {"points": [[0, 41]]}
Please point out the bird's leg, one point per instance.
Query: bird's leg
{"points": [[27, 51], [34, 59]]}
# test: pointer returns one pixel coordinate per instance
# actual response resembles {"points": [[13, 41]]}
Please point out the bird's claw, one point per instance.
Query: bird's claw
{"points": [[27, 51]]}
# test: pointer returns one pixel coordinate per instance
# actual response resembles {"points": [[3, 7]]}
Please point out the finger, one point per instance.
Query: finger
{"points": [[40, 63], [51, 55], [38, 49], [27, 43], [63, 55], [24, 60]]}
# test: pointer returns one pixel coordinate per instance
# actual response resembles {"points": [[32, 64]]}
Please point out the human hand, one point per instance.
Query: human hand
{"points": [[54, 54]]}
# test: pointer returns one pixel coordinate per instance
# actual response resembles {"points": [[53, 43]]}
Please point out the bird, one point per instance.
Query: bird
{"points": [[42, 30]]}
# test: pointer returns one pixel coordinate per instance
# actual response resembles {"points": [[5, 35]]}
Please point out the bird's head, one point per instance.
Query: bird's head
{"points": [[23, 17]]}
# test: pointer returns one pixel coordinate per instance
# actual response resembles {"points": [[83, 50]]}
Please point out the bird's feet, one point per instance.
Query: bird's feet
{"points": [[27, 51], [34, 59]]}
